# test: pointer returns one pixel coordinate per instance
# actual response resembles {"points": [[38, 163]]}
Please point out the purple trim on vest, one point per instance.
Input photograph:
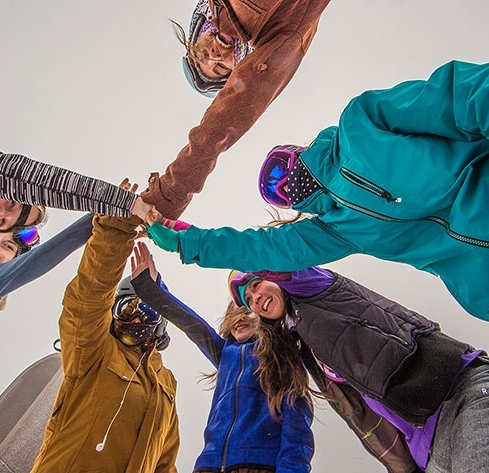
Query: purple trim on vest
{"points": [[307, 282], [419, 439]]}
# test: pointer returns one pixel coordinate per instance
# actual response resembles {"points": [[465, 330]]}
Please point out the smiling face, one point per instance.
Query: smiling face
{"points": [[266, 298], [215, 55], [245, 328], [10, 212], [8, 247]]}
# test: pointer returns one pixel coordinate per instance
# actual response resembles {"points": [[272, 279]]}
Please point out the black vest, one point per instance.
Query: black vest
{"points": [[382, 349]]}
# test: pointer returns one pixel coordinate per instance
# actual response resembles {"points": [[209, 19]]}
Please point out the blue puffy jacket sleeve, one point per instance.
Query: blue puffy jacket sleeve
{"points": [[41, 259], [209, 342]]}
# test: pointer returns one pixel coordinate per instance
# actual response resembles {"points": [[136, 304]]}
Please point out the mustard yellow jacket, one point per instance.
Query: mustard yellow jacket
{"points": [[98, 370]]}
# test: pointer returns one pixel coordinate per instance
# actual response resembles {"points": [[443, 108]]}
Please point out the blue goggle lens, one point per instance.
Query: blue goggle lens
{"points": [[142, 310], [29, 236], [273, 177]]}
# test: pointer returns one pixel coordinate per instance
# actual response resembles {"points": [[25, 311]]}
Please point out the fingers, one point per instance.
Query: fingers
{"points": [[150, 218], [125, 184], [141, 234]]}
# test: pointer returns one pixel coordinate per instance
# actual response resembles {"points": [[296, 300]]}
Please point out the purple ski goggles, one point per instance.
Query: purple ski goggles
{"points": [[274, 174]]}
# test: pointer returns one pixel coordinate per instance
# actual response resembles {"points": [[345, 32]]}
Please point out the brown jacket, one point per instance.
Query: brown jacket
{"points": [[98, 368], [281, 32]]}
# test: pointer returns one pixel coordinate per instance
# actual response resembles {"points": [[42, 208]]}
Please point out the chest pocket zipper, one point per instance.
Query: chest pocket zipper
{"points": [[369, 186], [397, 338]]}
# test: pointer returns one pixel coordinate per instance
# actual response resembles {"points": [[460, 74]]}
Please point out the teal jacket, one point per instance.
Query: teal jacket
{"points": [[404, 177]]}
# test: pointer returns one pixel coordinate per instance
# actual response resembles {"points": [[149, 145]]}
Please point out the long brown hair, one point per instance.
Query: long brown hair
{"points": [[280, 368]]}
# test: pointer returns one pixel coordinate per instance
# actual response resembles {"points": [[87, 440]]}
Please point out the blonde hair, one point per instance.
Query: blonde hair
{"points": [[231, 315], [278, 219], [42, 216], [194, 51]]}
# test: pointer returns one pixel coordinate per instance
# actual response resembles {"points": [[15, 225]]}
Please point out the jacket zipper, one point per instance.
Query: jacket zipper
{"points": [[371, 213], [440, 221], [364, 323], [235, 415], [369, 186]]}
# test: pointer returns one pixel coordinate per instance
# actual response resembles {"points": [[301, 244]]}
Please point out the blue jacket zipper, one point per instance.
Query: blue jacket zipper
{"points": [[235, 415]]}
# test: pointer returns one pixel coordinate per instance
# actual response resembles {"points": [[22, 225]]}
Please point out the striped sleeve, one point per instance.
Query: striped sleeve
{"points": [[31, 182]]}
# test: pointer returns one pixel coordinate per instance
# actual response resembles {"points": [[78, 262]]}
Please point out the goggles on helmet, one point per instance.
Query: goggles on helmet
{"points": [[200, 82], [274, 174], [237, 284], [126, 309], [132, 334]]}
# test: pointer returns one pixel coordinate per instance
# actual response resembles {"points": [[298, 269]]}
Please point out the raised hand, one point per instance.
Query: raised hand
{"points": [[142, 260]]}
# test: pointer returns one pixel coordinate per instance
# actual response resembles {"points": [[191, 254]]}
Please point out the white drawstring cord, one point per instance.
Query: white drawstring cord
{"points": [[100, 446]]}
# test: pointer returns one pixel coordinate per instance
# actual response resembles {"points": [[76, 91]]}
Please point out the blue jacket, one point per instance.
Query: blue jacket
{"points": [[240, 431], [404, 177]]}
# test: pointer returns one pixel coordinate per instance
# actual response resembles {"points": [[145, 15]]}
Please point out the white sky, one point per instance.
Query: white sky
{"points": [[96, 86]]}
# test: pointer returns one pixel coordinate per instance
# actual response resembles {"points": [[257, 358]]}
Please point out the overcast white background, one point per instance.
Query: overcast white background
{"points": [[97, 86]]}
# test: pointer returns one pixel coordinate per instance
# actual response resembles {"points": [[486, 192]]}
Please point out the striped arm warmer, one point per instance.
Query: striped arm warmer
{"points": [[32, 182]]}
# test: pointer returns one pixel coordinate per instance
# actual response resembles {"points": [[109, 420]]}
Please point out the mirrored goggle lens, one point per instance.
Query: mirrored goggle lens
{"points": [[272, 179], [150, 316], [126, 311], [29, 236]]}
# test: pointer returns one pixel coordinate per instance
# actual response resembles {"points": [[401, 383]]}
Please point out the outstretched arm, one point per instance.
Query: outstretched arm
{"points": [[452, 104], [31, 182], [252, 86], [41, 259], [157, 296], [289, 247]]}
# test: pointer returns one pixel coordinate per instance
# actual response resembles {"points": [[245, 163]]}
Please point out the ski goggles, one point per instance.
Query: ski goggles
{"points": [[29, 236], [26, 239], [126, 309], [274, 175], [237, 284]]}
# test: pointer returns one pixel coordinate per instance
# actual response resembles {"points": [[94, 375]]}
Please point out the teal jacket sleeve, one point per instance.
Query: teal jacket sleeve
{"points": [[41, 259], [452, 103], [290, 247]]}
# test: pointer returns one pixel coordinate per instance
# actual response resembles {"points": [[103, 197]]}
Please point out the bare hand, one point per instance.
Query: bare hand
{"points": [[143, 260], [126, 185], [141, 209]]}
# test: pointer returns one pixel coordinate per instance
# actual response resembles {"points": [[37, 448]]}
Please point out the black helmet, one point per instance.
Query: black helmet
{"points": [[126, 307]]}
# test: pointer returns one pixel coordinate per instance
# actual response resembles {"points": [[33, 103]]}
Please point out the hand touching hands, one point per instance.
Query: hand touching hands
{"points": [[141, 208]]}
